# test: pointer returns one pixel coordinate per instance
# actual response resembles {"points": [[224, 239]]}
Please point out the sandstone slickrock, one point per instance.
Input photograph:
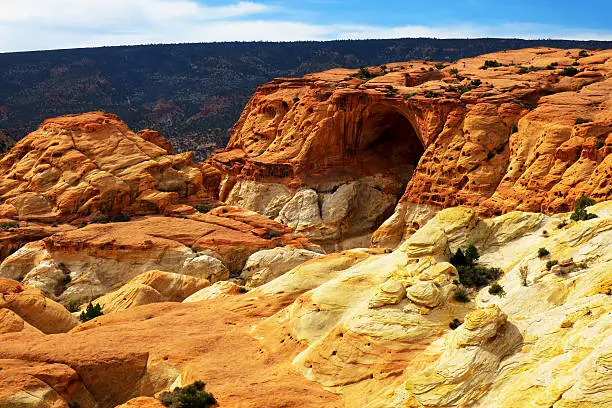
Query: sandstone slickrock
{"points": [[151, 287], [78, 165], [500, 139], [82, 264], [266, 265], [542, 344], [24, 308]]}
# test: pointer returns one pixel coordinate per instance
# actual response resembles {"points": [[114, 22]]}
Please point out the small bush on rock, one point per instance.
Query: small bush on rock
{"points": [[569, 71], [203, 208], [91, 312], [542, 252], [461, 295], [454, 324], [191, 396], [551, 263], [497, 290], [580, 213], [471, 274]]}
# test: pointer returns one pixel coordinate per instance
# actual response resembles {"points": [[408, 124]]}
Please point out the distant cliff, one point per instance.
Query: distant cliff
{"points": [[193, 93]]}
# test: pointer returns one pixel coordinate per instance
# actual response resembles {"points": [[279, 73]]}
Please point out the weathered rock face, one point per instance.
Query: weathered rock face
{"points": [[369, 324], [82, 264], [24, 308], [74, 166], [497, 139], [151, 287]]}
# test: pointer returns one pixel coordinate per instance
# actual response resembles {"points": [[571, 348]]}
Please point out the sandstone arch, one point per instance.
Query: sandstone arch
{"points": [[387, 143]]}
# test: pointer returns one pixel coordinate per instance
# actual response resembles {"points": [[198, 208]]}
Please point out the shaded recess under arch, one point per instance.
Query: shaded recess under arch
{"points": [[387, 143]]}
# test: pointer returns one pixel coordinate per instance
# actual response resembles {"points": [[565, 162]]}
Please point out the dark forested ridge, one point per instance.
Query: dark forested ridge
{"points": [[193, 93]]}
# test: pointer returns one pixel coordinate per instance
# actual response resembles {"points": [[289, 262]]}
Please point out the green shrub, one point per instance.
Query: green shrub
{"points": [[105, 219], [490, 64], [490, 155], [583, 53], [91, 312], [478, 276], [476, 83], [8, 225], [600, 143], [296, 99], [203, 208], [272, 234], [439, 66], [580, 121], [364, 73], [461, 295], [65, 280], [471, 254], [72, 306], [191, 396], [580, 213], [542, 252], [575, 63], [569, 71], [497, 290], [454, 71], [454, 324], [551, 263], [515, 129]]}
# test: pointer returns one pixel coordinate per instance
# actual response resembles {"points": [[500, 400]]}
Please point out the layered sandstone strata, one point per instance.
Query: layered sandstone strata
{"points": [[369, 325], [527, 133], [82, 264], [78, 165]]}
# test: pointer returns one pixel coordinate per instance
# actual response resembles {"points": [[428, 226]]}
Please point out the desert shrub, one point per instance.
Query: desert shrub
{"points": [[583, 53], [105, 219], [497, 290], [490, 155], [203, 208], [82, 225], [296, 99], [272, 234], [461, 295], [99, 219], [542, 252], [580, 121], [490, 64], [477, 276], [476, 83], [8, 225], [364, 73], [91, 312], [523, 272], [454, 324], [575, 63], [72, 306], [569, 71], [120, 218], [454, 71], [514, 129], [551, 263], [65, 280], [191, 396], [600, 143], [580, 213], [439, 66]]}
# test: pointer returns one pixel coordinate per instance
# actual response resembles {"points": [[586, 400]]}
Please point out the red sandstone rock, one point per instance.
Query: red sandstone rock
{"points": [[462, 134]]}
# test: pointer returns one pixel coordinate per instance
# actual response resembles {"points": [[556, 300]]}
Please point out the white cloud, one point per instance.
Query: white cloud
{"points": [[51, 24]]}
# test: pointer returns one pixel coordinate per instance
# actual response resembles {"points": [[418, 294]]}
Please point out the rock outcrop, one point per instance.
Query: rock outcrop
{"points": [[528, 130], [372, 326], [76, 166], [82, 264]]}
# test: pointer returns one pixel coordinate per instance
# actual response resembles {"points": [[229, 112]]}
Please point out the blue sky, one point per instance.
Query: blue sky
{"points": [[51, 24]]}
